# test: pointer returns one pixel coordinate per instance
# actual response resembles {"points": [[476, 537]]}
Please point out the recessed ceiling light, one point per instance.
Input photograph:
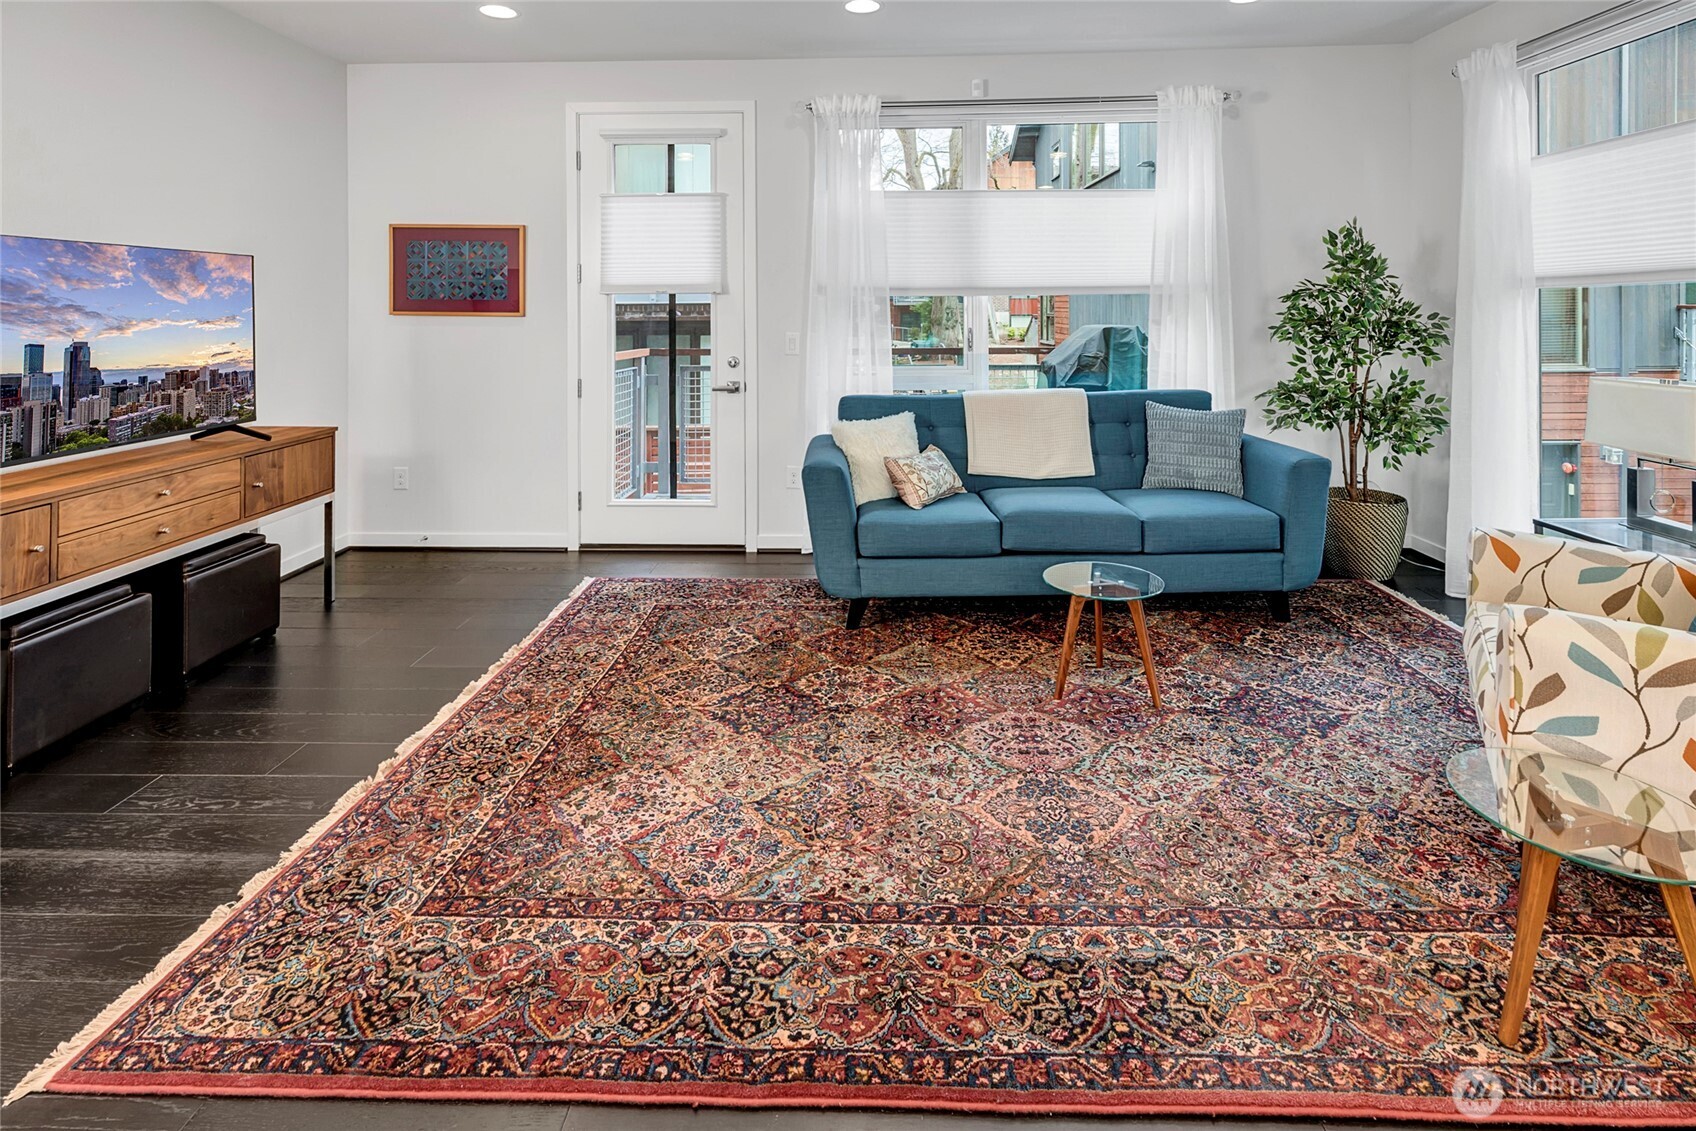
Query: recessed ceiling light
{"points": [[1242, 1], [499, 12], [862, 7]]}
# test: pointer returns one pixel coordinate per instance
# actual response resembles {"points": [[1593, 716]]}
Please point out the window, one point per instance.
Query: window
{"points": [[928, 341], [1641, 85], [1081, 155], [1613, 220], [995, 322], [1561, 338], [1096, 146], [915, 159], [1640, 331], [954, 342]]}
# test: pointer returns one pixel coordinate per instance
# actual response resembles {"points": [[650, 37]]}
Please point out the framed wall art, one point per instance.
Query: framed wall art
{"points": [[466, 269]]}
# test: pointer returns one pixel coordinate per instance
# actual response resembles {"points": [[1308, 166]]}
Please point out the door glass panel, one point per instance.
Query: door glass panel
{"points": [[660, 166], [662, 410]]}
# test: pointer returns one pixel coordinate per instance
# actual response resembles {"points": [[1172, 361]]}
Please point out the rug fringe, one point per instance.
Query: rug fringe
{"points": [[37, 1078], [1409, 601]]}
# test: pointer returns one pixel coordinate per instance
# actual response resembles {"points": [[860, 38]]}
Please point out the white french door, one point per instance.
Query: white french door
{"points": [[664, 377]]}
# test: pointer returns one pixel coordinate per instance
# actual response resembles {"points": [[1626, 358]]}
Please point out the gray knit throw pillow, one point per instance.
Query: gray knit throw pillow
{"points": [[1195, 449]]}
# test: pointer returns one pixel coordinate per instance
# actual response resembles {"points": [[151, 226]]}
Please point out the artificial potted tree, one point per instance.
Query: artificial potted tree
{"points": [[1342, 331]]}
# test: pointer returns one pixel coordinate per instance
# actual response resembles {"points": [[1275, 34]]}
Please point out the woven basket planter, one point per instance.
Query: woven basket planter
{"points": [[1364, 539]]}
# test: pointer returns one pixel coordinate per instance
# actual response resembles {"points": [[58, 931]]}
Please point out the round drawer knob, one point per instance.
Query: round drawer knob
{"points": [[259, 483], [164, 530], [38, 549], [165, 491]]}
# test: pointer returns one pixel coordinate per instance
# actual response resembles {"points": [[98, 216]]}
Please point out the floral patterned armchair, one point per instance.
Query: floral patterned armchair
{"points": [[1585, 650]]}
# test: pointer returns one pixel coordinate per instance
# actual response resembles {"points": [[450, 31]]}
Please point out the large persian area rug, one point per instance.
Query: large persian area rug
{"points": [[695, 841]]}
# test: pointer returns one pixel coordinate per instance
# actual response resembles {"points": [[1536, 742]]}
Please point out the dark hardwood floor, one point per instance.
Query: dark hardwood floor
{"points": [[118, 845]]}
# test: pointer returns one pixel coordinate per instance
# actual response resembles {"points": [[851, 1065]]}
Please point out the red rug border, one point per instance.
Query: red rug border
{"points": [[1189, 1102]]}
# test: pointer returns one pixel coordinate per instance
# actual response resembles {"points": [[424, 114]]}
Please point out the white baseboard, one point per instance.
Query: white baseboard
{"points": [[779, 542], [506, 540], [312, 555], [1426, 546]]}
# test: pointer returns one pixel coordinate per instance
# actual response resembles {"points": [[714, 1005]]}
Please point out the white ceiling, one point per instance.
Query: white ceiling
{"points": [[445, 31]]}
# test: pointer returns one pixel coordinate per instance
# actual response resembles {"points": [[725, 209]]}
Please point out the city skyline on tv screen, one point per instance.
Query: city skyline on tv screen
{"points": [[104, 344]]}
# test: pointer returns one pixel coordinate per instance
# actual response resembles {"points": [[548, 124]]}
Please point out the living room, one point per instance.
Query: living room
{"points": [[586, 564]]}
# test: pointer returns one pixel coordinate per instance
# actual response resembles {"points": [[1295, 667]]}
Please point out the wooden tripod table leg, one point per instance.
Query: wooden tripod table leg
{"points": [[1073, 614], [1537, 870], [1141, 624], [1681, 905], [1099, 660]]}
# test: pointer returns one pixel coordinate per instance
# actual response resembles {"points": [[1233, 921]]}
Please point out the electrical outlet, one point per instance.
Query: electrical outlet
{"points": [[792, 343], [794, 478], [403, 479]]}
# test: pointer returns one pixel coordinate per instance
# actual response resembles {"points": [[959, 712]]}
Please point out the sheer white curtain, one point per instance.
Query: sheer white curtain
{"points": [[848, 294], [1189, 335], [1493, 403]]}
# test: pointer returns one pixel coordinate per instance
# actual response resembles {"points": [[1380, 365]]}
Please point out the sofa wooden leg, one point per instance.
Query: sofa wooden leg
{"points": [[1278, 604], [857, 610]]}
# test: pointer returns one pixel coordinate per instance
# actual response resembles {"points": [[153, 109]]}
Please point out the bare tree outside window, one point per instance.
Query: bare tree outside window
{"points": [[921, 158]]}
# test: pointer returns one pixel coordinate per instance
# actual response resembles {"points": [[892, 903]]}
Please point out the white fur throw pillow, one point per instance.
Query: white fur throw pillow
{"points": [[867, 443]]}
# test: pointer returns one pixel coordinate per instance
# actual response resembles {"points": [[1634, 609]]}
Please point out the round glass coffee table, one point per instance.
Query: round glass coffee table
{"points": [[1099, 582], [1560, 808]]}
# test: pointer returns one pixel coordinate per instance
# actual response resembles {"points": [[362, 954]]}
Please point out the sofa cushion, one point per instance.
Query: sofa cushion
{"points": [[1063, 520], [1176, 521], [959, 526]]}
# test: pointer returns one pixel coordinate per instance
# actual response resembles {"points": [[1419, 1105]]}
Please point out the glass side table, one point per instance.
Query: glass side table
{"points": [[1098, 582], [1559, 808]]}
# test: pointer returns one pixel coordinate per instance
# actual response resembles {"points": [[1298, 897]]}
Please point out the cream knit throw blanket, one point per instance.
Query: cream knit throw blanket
{"points": [[1029, 433]]}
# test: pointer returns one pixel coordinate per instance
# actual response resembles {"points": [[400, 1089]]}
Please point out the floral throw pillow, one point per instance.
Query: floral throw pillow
{"points": [[922, 479]]}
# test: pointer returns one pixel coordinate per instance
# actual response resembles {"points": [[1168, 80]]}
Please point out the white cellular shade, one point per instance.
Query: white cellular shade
{"points": [[1621, 211], [988, 241], [666, 242]]}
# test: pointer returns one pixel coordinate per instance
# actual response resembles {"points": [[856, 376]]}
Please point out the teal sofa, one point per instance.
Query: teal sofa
{"points": [[997, 537]]}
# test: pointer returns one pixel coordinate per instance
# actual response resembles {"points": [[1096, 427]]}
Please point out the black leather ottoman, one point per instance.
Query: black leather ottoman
{"points": [[68, 665], [209, 602]]}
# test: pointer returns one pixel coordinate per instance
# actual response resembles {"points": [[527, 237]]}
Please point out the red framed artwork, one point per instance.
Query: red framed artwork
{"points": [[466, 269]]}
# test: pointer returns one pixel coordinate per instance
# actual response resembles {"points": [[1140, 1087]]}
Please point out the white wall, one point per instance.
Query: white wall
{"points": [[1434, 142], [478, 408], [184, 125]]}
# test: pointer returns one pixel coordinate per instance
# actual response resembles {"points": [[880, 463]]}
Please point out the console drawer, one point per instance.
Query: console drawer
{"points": [[126, 540], [284, 476], [26, 537], [146, 496]]}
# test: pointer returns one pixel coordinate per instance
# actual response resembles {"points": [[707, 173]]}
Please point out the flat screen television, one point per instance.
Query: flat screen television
{"points": [[103, 344]]}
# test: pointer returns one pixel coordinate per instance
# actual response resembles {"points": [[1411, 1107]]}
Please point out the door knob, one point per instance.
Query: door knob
{"points": [[38, 549], [728, 387], [733, 362]]}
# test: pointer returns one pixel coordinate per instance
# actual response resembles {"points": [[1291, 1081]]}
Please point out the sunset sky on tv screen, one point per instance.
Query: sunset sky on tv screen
{"points": [[137, 307]]}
